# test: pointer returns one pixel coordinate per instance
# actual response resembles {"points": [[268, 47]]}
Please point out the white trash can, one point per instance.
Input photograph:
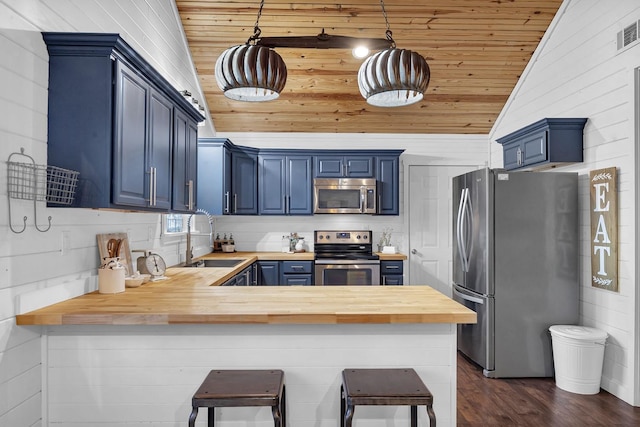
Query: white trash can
{"points": [[578, 353]]}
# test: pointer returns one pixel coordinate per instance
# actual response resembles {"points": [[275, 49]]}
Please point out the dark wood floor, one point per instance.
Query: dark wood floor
{"points": [[533, 402]]}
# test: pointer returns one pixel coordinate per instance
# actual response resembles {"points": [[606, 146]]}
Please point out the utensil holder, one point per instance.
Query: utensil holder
{"points": [[111, 280]]}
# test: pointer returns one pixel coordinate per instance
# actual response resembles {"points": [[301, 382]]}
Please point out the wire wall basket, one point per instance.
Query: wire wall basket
{"points": [[61, 185], [27, 180], [41, 183]]}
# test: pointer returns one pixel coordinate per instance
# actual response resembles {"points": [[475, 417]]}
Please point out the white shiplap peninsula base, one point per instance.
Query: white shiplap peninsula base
{"points": [[135, 359], [145, 375]]}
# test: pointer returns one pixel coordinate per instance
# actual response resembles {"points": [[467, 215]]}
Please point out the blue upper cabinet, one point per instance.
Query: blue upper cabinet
{"points": [[285, 184], [227, 181], [547, 143], [112, 117], [388, 176], [227, 178], [338, 166], [244, 181], [214, 175], [185, 161]]}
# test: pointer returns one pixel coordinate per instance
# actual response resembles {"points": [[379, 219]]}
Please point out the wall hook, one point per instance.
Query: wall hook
{"points": [[24, 219], [35, 221], [27, 181]]}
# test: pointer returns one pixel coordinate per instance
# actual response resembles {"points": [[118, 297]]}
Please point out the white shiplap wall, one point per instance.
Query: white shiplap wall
{"points": [[61, 262], [577, 72]]}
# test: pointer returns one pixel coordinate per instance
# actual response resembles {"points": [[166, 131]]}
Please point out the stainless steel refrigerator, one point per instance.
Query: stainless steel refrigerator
{"points": [[515, 263]]}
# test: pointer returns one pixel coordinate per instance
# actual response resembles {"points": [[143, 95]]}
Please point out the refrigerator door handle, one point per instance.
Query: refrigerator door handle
{"points": [[464, 229], [469, 230], [459, 230], [468, 297]]}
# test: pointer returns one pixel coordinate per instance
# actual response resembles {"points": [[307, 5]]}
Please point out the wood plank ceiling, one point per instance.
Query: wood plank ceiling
{"points": [[476, 49]]}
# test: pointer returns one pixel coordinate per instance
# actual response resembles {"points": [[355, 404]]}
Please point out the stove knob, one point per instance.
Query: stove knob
{"points": [[365, 237], [328, 237], [358, 237], [320, 237]]}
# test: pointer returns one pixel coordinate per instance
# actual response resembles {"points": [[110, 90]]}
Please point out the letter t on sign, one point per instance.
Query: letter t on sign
{"points": [[604, 228]]}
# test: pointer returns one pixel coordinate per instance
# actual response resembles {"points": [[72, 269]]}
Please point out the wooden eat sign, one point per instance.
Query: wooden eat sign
{"points": [[604, 228]]}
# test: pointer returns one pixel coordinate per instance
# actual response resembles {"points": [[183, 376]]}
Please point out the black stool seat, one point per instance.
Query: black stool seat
{"points": [[400, 386], [235, 388]]}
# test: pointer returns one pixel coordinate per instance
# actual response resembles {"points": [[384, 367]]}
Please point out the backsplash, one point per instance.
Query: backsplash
{"points": [[262, 233]]}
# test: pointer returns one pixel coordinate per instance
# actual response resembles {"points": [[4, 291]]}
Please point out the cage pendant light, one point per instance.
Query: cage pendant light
{"points": [[393, 77], [249, 72]]}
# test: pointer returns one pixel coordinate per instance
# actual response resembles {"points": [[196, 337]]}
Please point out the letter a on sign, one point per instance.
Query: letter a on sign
{"points": [[604, 228]]}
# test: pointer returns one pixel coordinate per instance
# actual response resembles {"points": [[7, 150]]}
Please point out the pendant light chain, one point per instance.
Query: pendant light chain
{"points": [[388, 33], [256, 27]]}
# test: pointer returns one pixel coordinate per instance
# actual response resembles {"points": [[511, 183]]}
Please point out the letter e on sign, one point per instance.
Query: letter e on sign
{"points": [[604, 228]]}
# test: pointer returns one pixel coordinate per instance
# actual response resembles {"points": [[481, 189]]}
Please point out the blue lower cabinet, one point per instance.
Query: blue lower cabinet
{"points": [[296, 273], [275, 273], [268, 273], [297, 279], [391, 273], [230, 282], [245, 278]]}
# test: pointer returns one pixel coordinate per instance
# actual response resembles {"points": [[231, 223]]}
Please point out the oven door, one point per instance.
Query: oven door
{"points": [[347, 272]]}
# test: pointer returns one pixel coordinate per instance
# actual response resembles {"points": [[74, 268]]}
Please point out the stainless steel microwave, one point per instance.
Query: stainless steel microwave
{"points": [[344, 195]]}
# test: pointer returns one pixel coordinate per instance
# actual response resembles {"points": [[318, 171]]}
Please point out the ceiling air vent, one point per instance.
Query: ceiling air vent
{"points": [[628, 36]]}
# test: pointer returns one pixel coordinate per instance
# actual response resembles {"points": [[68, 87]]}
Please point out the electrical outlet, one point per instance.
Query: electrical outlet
{"points": [[66, 242]]}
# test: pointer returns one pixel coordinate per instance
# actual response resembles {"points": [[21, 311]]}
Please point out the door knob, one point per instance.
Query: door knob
{"points": [[413, 251]]}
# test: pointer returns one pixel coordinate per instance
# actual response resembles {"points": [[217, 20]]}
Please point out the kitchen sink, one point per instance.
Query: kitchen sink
{"points": [[224, 263]]}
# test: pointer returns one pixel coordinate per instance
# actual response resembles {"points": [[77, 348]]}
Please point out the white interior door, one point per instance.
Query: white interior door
{"points": [[430, 225]]}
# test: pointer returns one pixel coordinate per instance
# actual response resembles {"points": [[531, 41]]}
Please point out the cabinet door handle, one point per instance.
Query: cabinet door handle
{"points": [[519, 156], [235, 202], [391, 267], [384, 280], [155, 186], [152, 186], [190, 192], [226, 202]]}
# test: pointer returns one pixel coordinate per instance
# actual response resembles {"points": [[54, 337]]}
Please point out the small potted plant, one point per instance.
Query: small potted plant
{"points": [[384, 244]]}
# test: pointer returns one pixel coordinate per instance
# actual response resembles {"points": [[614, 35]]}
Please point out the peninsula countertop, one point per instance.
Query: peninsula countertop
{"points": [[191, 296]]}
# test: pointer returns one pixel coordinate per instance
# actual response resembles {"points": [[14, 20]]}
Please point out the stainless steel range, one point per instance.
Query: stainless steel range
{"points": [[345, 258]]}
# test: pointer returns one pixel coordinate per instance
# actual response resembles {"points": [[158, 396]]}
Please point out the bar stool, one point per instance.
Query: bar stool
{"points": [[384, 387], [236, 388]]}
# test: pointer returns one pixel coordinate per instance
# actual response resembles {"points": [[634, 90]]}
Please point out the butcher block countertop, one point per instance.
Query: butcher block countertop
{"points": [[191, 296]]}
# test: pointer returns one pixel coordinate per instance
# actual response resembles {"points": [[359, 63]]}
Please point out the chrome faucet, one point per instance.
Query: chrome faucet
{"points": [[189, 258]]}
